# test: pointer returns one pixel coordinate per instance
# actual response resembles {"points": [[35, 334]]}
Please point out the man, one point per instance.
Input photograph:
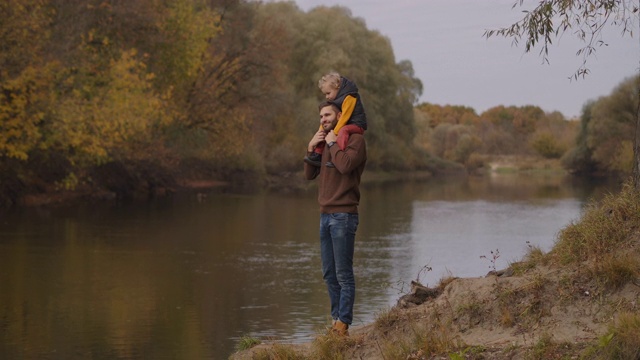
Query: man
{"points": [[338, 196]]}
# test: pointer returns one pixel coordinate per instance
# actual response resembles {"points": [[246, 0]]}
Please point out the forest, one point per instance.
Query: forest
{"points": [[134, 96]]}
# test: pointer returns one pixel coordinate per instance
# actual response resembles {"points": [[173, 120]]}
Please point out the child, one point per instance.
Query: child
{"points": [[344, 93]]}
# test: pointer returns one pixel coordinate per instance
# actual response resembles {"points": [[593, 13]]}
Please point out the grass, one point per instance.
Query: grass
{"points": [[534, 257], [333, 347], [546, 348], [471, 311], [424, 336], [603, 240], [387, 318], [621, 342], [279, 352], [247, 342], [603, 228], [439, 339]]}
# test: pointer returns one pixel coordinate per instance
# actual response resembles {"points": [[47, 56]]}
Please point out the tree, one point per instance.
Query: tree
{"points": [[585, 19]]}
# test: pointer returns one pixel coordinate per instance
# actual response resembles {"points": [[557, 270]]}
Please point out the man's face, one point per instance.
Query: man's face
{"points": [[329, 118]]}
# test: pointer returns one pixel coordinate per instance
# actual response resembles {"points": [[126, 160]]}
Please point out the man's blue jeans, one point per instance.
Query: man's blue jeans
{"points": [[337, 239]]}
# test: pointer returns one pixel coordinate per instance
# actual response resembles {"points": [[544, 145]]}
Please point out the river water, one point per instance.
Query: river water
{"points": [[185, 278]]}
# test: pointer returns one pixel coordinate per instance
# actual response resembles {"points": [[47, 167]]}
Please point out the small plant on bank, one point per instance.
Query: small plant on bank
{"points": [[247, 342], [493, 258], [546, 348], [534, 257], [470, 352]]}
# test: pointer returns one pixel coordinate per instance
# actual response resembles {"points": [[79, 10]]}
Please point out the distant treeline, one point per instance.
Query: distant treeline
{"points": [[600, 144], [134, 95]]}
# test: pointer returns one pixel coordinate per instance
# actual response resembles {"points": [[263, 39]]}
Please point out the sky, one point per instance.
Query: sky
{"points": [[444, 41]]}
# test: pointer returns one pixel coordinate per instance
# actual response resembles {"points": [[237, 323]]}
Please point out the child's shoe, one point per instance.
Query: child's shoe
{"points": [[313, 159]]}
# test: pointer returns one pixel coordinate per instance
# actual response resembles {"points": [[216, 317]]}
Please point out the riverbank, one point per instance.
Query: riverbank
{"points": [[286, 182], [580, 300], [120, 184]]}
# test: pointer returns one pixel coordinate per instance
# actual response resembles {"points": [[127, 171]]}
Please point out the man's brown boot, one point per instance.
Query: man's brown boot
{"points": [[341, 328]]}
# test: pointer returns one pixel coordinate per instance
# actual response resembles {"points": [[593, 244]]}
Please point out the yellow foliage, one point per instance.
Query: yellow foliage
{"points": [[102, 123], [21, 111]]}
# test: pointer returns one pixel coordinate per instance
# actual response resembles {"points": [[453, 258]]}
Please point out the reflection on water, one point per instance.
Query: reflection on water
{"points": [[186, 279]]}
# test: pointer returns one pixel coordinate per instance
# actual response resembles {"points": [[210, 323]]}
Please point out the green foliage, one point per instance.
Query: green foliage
{"points": [[613, 121], [579, 158], [188, 27], [546, 348], [582, 18], [247, 342], [604, 144]]}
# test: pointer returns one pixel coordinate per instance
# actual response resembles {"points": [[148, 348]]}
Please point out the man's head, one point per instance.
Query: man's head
{"points": [[329, 84], [329, 115]]}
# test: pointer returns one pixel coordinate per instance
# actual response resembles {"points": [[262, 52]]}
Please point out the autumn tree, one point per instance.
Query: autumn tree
{"points": [[130, 90], [584, 19], [24, 80], [450, 114]]}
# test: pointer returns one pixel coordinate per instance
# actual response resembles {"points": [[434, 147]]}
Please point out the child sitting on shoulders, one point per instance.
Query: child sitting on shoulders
{"points": [[344, 93]]}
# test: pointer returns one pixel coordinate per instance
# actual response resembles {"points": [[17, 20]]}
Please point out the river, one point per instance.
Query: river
{"points": [[186, 277]]}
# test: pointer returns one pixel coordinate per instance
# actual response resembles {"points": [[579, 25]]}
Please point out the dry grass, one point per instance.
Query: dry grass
{"points": [[605, 239], [278, 352], [333, 347]]}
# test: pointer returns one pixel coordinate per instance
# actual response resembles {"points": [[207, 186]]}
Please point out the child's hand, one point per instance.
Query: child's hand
{"points": [[331, 136], [317, 138]]}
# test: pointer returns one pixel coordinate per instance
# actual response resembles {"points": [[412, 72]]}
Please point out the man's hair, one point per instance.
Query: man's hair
{"points": [[332, 79], [324, 104]]}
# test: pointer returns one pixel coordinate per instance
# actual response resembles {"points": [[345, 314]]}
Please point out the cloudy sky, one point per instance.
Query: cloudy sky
{"points": [[443, 40]]}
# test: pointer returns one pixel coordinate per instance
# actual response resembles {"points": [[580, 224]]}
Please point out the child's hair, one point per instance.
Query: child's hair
{"points": [[332, 78]]}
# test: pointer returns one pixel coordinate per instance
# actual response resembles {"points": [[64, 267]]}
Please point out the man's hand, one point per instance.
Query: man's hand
{"points": [[317, 138]]}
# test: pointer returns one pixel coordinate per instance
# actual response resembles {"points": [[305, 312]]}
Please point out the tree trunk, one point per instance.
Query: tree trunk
{"points": [[636, 143], [636, 149]]}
